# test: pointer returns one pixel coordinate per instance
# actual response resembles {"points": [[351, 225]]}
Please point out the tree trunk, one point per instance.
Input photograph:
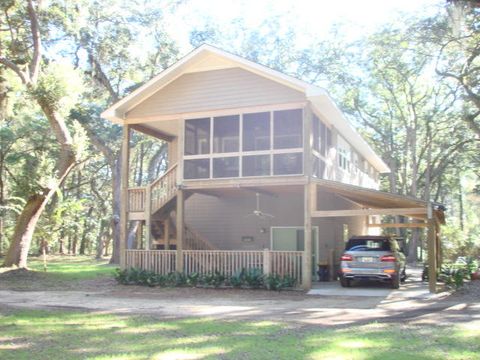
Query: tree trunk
{"points": [[100, 241], [116, 179], [86, 229], [27, 221], [25, 226]]}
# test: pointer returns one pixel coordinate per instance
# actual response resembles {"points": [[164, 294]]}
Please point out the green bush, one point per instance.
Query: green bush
{"points": [[453, 275], [252, 278]]}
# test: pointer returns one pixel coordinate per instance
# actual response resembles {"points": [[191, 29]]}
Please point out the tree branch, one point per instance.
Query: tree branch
{"points": [[37, 44]]}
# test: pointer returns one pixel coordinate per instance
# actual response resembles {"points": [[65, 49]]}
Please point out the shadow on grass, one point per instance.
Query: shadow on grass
{"points": [[79, 335]]}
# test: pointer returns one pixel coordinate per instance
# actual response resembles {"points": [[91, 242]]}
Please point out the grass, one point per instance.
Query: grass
{"points": [[78, 335], [73, 267], [63, 273]]}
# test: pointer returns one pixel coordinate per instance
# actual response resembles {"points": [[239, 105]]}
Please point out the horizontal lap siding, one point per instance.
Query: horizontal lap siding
{"points": [[217, 89]]}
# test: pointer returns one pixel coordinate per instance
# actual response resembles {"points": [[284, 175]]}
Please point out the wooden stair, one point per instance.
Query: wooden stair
{"points": [[157, 201]]}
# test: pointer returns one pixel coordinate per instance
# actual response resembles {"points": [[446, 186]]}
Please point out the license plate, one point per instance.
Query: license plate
{"points": [[366, 259]]}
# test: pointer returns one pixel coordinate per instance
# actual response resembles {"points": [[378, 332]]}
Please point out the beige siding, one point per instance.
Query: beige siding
{"points": [[217, 89], [223, 220]]}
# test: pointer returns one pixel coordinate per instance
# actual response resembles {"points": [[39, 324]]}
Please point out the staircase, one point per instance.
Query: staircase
{"points": [[158, 200]]}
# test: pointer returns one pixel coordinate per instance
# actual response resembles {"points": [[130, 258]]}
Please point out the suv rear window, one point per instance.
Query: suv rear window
{"points": [[368, 245]]}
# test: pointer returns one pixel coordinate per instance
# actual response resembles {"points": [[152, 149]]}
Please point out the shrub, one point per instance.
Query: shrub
{"points": [[214, 279], [254, 278], [193, 279], [453, 276], [238, 279]]}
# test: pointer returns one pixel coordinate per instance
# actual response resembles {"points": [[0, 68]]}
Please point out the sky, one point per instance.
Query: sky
{"points": [[309, 17]]}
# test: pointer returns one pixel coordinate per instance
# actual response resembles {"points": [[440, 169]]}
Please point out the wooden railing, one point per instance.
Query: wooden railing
{"points": [[226, 262], [164, 188], [194, 241], [160, 261], [136, 199], [287, 263]]}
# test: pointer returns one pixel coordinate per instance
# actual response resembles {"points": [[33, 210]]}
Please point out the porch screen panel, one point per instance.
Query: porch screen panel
{"points": [[256, 131], [197, 169], [226, 133], [287, 129], [197, 136], [225, 167], [287, 164], [256, 165]]}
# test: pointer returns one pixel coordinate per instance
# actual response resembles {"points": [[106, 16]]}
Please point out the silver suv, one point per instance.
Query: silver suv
{"points": [[372, 258]]}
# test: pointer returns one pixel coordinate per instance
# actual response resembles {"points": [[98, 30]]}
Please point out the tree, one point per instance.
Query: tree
{"points": [[21, 52]]}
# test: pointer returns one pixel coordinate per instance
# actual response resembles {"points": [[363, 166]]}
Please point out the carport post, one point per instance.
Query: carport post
{"points": [[307, 251]]}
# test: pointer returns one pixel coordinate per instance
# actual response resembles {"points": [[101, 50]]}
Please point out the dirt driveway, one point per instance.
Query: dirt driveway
{"points": [[296, 307]]}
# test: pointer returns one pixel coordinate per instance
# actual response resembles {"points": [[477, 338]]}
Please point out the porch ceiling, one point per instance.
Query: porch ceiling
{"points": [[376, 199], [241, 191]]}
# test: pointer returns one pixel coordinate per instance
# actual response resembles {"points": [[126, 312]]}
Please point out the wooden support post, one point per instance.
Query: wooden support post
{"points": [[148, 217], [139, 236], [180, 229], [124, 194], [438, 244], [267, 262], [166, 230], [307, 252], [432, 257]]}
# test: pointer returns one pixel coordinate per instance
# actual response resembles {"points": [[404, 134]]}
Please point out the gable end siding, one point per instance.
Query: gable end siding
{"points": [[216, 89]]}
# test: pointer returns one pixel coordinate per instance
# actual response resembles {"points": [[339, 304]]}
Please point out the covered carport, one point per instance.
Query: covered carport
{"points": [[370, 202]]}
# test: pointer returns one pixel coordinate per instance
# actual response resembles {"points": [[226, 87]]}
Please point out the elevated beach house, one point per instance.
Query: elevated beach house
{"points": [[263, 171]]}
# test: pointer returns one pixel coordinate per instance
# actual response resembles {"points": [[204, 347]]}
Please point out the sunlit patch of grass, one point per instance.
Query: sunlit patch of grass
{"points": [[80, 335], [73, 268]]}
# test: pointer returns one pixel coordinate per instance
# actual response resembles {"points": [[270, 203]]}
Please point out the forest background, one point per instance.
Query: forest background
{"points": [[411, 86]]}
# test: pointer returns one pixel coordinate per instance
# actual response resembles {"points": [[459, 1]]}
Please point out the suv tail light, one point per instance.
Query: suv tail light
{"points": [[346, 257], [388, 258]]}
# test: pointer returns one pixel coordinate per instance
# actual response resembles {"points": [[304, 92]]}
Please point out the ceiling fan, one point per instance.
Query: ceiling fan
{"points": [[259, 213]]}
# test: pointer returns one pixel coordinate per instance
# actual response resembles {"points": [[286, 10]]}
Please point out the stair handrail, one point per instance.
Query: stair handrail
{"points": [[199, 239], [159, 198]]}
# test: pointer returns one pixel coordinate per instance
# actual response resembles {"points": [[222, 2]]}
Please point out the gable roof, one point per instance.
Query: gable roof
{"points": [[207, 57]]}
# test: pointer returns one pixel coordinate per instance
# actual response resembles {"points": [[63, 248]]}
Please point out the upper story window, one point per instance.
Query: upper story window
{"points": [[344, 154], [320, 136], [226, 134], [256, 131], [197, 136], [287, 129], [250, 144]]}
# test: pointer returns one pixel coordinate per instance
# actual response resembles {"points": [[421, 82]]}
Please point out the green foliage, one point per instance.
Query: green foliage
{"points": [[247, 278], [254, 278], [453, 276]]}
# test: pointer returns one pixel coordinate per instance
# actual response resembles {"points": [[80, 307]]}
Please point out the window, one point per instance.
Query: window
{"points": [[287, 129], [225, 167], [318, 167], [197, 169], [256, 131], [287, 164], [226, 134], [197, 136], [256, 165], [252, 144]]}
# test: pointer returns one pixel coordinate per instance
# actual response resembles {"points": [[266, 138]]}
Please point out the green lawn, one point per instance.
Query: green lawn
{"points": [[76, 335], [63, 273], [73, 267]]}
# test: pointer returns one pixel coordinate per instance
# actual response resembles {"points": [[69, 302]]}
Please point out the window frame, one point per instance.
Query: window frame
{"points": [[241, 153]]}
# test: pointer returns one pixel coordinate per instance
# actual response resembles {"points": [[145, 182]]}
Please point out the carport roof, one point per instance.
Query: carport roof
{"points": [[375, 199]]}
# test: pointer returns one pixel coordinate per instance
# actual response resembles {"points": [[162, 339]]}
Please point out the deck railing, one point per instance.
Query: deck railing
{"points": [[159, 261], [164, 188], [226, 262], [136, 199], [161, 190]]}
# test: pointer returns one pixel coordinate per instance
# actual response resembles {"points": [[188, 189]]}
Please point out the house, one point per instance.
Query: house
{"points": [[263, 171]]}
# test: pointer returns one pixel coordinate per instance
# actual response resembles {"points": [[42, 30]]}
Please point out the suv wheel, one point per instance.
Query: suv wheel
{"points": [[344, 282], [396, 282]]}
